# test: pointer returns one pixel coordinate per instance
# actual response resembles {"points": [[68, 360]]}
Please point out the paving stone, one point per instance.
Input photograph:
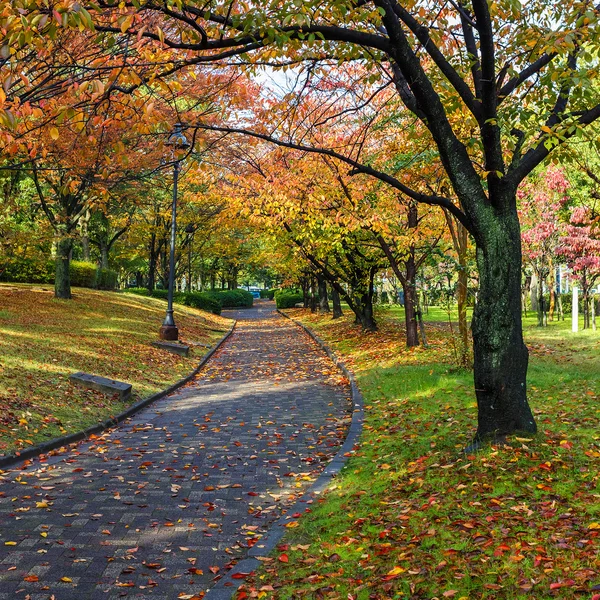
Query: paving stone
{"points": [[182, 479]]}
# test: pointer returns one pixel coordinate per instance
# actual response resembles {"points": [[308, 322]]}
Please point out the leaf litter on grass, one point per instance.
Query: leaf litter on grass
{"points": [[413, 517]]}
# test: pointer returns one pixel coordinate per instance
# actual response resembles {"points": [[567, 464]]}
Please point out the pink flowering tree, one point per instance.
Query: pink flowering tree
{"points": [[541, 199], [581, 249]]}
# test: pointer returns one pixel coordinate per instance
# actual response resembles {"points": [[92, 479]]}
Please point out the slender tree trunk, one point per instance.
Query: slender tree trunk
{"points": [[364, 312], [337, 305], [541, 300], [500, 355], [85, 238], [323, 299], [409, 285], [552, 288], [62, 277], [313, 295], [152, 259]]}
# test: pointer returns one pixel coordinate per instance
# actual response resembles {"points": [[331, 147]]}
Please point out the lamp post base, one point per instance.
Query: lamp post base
{"points": [[169, 333]]}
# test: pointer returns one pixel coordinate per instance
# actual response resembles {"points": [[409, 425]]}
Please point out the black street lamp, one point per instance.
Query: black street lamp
{"points": [[178, 141]]}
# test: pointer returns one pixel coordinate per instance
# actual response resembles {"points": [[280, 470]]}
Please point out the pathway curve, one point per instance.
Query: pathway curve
{"points": [[163, 505]]}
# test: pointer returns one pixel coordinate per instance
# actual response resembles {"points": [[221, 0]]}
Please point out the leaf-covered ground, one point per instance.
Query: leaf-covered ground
{"points": [[412, 517], [44, 340]]}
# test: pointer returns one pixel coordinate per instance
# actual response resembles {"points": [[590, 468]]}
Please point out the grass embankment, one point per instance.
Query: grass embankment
{"points": [[412, 517], [44, 340]]}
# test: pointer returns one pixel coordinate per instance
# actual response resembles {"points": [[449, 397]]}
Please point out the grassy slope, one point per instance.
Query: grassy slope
{"points": [[413, 517], [43, 340]]}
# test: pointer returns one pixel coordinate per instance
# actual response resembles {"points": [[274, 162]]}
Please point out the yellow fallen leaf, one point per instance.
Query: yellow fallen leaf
{"points": [[292, 524], [44, 534], [10, 543], [396, 571], [66, 579], [41, 504], [594, 526]]}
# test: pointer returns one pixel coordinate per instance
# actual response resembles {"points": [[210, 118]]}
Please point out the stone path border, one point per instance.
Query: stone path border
{"points": [[226, 588], [11, 459]]}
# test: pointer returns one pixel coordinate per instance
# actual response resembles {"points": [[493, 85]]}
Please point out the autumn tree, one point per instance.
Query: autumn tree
{"points": [[497, 85], [541, 199]]}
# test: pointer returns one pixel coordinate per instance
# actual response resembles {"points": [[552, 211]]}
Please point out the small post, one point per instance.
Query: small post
{"points": [[575, 310]]}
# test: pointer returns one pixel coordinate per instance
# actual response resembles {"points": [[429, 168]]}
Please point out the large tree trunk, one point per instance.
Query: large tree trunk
{"points": [[323, 300], [62, 277], [104, 255], [337, 305], [500, 355]]}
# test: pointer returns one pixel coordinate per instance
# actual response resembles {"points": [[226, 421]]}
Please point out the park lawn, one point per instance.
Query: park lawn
{"points": [[44, 340], [413, 517]]}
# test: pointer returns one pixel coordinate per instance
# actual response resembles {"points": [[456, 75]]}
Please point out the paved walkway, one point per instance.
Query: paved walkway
{"points": [[166, 503]]}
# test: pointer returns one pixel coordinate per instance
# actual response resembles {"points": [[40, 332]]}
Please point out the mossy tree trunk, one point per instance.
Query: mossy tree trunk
{"points": [[323, 299], [500, 355], [62, 276]]}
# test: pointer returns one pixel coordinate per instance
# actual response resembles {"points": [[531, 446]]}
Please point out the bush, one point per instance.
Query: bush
{"points": [[268, 294], [288, 299], [26, 270], [233, 298], [106, 279], [83, 274], [201, 300], [160, 294], [138, 291]]}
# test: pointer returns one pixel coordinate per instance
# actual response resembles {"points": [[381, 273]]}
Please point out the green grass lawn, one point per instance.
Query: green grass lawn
{"points": [[413, 517], [44, 340]]}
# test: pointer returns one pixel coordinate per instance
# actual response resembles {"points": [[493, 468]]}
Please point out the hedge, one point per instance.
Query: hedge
{"points": [[26, 270], [201, 300], [233, 298], [106, 279], [83, 274], [288, 299]]}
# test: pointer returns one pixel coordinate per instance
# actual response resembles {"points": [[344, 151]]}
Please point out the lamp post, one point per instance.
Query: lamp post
{"points": [[178, 141]]}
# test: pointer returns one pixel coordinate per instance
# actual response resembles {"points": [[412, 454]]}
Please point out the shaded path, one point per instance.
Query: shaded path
{"points": [[164, 504]]}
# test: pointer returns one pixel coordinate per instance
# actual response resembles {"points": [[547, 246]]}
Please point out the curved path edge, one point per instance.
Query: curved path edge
{"points": [[35, 451], [226, 588]]}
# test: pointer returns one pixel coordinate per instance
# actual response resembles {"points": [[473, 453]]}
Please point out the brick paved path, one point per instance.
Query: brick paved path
{"points": [[160, 506]]}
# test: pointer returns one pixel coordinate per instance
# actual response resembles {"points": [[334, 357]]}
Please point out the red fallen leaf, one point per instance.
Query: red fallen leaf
{"points": [[240, 575], [196, 571], [283, 558], [252, 494], [31, 578], [152, 565], [209, 488]]}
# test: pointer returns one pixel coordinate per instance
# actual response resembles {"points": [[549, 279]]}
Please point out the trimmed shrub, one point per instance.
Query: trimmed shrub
{"points": [[83, 274], [161, 294], [106, 279], [138, 291], [201, 300], [288, 299], [233, 298], [26, 270]]}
